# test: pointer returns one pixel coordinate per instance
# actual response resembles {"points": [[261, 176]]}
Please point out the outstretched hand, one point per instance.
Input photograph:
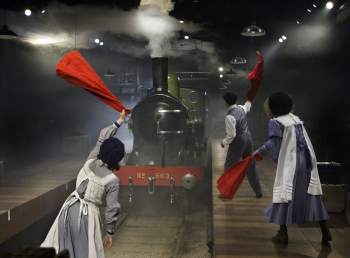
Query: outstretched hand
{"points": [[257, 155], [121, 118], [259, 56]]}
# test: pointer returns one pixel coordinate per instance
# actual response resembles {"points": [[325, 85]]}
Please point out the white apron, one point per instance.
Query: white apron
{"points": [[287, 159], [89, 206]]}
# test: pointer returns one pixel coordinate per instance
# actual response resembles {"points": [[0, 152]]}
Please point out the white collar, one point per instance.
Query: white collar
{"points": [[288, 120], [232, 106]]}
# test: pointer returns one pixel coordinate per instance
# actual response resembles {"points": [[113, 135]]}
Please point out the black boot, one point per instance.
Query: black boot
{"points": [[282, 236], [326, 234]]}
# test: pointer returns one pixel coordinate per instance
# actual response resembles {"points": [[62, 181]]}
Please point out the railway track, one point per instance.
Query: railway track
{"points": [[161, 233]]}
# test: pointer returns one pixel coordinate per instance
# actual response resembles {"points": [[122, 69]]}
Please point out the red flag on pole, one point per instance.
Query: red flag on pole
{"points": [[232, 178], [75, 69], [255, 77]]}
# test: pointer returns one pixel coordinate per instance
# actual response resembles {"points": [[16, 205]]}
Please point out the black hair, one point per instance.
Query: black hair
{"points": [[116, 167], [112, 151], [230, 98], [109, 166], [280, 104]]}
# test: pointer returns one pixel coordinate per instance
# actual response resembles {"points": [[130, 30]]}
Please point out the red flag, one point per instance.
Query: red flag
{"points": [[75, 69], [232, 178], [255, 77]]}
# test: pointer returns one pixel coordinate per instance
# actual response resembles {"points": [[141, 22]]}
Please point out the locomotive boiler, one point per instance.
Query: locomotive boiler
{"points": [[159, 122]]}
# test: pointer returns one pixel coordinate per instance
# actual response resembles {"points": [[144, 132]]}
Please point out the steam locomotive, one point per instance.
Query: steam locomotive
{"points": [[170, 145]]}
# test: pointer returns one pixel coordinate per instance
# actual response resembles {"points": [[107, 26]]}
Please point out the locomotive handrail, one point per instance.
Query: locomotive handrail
{"points": [[172, 190], [333, 163], [170, 132], [170, 111], [131, 189]]}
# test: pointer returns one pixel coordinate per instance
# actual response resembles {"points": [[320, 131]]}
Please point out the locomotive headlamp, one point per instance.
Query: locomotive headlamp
{"points": [[189, 181]]}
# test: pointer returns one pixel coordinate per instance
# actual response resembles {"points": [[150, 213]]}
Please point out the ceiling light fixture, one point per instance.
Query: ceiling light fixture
{"points": [[238, 61], [342, 7], [6, 33], [253, 31]]}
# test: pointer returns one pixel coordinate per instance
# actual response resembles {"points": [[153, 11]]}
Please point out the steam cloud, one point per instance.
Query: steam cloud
{"points": [[165, 6], [68, 27]]}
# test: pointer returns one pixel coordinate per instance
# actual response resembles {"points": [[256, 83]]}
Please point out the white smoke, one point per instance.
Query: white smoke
{"points": [[164, 6], [76, 27], [147, 30], [158, 27]]}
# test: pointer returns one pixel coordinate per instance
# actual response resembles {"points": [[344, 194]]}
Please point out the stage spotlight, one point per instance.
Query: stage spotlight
{"points": [[342, 7], [329, 5], [27, 12]]}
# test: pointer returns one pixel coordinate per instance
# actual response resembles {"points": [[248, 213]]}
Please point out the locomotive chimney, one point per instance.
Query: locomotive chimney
{"points": [[160, 74]]}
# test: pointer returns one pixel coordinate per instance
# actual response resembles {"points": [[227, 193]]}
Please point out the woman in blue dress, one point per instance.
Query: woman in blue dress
{"points": [[297, 189]]}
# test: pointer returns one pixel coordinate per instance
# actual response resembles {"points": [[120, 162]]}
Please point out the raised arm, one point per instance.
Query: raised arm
{"points": [[247, 106], [105, 133]]}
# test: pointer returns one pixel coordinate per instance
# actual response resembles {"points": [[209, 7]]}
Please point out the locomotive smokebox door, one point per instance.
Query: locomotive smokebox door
{"points": [[169, 122]]}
